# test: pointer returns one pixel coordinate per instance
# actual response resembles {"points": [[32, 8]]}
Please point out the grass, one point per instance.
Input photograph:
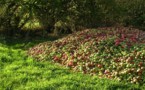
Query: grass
{"points": [[20, 72]]}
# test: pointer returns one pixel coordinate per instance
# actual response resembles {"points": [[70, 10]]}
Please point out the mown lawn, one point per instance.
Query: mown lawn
{"points": [[20, 72]]}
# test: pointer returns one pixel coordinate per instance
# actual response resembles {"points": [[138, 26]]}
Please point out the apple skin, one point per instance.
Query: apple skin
{"points": [[99, 66], [56, 58], [140, 64], [70, 63]]}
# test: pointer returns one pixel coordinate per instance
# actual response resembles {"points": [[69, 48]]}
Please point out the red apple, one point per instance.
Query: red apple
{"points": [[70, 63]]}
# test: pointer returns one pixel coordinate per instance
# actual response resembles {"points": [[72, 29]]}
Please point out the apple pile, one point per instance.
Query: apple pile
{"points": [[115, 53]]}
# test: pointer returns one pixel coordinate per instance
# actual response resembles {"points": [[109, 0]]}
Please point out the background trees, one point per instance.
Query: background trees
{"points": [[61, 16]]}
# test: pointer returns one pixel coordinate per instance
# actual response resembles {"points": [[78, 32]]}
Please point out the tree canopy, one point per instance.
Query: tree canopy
{"points": [[58, 15]]}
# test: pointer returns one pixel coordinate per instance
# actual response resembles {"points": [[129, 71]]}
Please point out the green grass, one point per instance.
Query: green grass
{"points": [[20, 72]]}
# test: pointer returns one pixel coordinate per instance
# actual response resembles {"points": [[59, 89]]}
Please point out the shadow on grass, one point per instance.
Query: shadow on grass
{"points": [[17, 43], [122, 87]]}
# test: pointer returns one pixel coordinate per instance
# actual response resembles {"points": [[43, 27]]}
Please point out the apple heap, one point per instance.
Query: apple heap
{"points": [[115, 53]]}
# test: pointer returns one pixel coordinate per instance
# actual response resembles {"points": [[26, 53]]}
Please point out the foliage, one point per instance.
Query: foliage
{"points": [[13, 13], [61, 15], [133, 12], [115, 54]]}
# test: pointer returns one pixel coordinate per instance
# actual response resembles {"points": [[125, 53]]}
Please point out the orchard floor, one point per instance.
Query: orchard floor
{"points": [[20, 72]]}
